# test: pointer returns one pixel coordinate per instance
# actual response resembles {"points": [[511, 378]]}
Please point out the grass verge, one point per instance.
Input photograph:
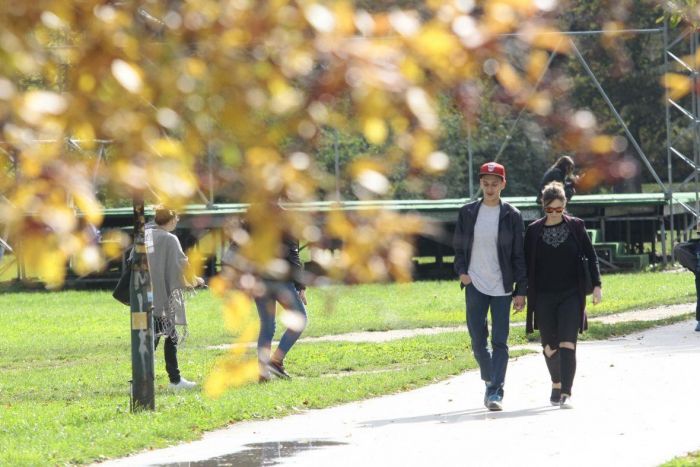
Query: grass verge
{"points": [[691, 460], [58, 410]]}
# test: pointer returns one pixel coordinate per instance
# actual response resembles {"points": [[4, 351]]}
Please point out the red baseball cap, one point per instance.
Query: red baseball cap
{"points": [[493, 168]]}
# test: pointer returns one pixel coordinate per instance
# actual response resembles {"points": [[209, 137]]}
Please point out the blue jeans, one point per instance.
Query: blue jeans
{"points": [[492, 365], [287, 295]]}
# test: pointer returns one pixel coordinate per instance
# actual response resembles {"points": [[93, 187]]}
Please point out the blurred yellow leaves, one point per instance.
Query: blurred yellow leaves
{"points": [[128, 75], [678, 85], [602, 144], [237, 309], [42, 255], [38, 105], [548, 39], [509, 79], [233, 369], [251, 86], [435, 41], [230, 373], [375, 130], [377, 245]]}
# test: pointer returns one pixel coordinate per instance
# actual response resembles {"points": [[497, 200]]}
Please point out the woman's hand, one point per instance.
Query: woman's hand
{"points": [[597, 295], [465, 279]]}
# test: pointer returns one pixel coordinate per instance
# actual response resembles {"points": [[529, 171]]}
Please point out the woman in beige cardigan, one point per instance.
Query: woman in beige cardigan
{"points": [[167, 264]]}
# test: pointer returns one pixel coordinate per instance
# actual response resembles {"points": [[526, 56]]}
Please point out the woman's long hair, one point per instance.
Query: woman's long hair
{"points": [[565, 164]]}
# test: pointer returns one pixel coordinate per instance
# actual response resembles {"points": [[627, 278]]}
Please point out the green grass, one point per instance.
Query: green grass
{"points": [[340, 309], [332, 310], [691, 460], [602, 331]]}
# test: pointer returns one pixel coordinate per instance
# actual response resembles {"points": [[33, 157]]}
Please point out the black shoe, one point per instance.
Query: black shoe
{"points": [[555, 398], [277, 369]]}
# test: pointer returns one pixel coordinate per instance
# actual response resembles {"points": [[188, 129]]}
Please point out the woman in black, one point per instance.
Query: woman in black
{"points": [[563, 172], [554, 247]]}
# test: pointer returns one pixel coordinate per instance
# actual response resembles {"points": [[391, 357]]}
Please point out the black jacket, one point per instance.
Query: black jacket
{"points": [[511, 255], [296, 270], [556, 175], [685, 254], [578, 229]]}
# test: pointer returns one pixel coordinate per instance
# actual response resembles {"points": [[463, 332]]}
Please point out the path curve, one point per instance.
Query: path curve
{"points": [[651, 314]]}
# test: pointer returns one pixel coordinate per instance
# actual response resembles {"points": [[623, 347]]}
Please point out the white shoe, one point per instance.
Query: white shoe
{"points": [[183, 384], [565, 402]]}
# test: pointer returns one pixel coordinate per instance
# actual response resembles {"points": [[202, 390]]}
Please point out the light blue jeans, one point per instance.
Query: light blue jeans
{"points": [[288, 296], [492, 364]]}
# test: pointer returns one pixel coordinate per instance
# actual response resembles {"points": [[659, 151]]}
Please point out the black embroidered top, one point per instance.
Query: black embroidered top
{"points": [[557, 259]]}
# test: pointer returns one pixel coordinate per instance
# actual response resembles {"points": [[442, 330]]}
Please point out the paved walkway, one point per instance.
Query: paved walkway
{"points": [[634, 397], [650, 314]]}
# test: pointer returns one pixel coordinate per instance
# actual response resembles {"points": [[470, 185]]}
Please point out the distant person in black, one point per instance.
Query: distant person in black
{"points": [[556, 287], [563, 172], [688, 254]]}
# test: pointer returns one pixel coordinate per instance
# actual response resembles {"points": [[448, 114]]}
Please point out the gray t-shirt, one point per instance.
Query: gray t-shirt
{"points": [[484, 268]]}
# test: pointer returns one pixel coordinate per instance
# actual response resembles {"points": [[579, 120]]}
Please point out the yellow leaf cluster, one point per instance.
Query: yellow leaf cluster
{"points": [[678, 85]]}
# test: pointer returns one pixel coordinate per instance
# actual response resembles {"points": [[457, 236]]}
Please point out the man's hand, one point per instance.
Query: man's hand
{"points": [[519, 303], [597, 295], [302, 295], [465, 279]]}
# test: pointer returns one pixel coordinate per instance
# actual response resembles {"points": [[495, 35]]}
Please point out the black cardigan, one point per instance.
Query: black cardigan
{"points": [[578, 229]]}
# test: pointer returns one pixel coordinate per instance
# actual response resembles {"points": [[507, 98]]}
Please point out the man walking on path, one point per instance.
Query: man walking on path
{"points": [[489, 259]]}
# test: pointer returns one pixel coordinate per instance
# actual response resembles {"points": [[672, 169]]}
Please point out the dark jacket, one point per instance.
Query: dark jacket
{"points": [[686, 254], [511, 257], [578, 229], [556, 175], [296, 272]]}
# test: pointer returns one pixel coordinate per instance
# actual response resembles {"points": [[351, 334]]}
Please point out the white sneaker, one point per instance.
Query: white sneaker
{"points": [[183, 384], [565, 402]]}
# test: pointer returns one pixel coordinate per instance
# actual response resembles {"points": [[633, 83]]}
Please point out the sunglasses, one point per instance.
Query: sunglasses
{"points": [[551, 210]]}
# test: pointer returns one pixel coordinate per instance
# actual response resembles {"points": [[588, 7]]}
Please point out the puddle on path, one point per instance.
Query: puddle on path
{"points": [[258, 454]]}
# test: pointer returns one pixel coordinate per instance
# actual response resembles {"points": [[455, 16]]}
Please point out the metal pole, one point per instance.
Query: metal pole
{"points": [[471, 160], [337, 164], [509, 135], [142, 351], [696, 125], [210, 156], [615, 113], [663, 242], [669, 154]]}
